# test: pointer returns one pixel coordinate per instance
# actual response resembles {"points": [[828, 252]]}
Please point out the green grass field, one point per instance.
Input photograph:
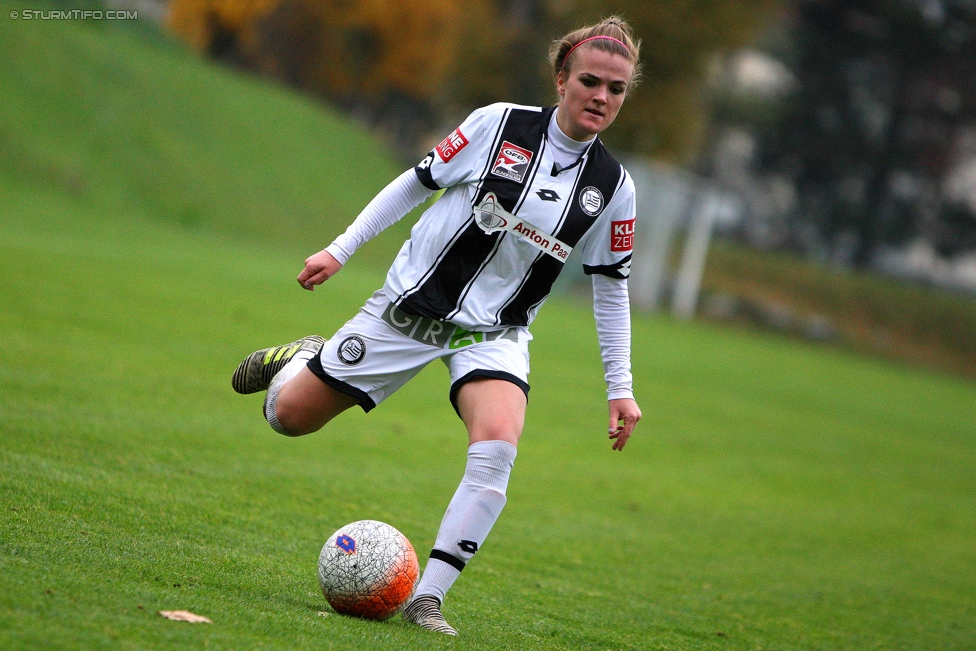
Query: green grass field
{"points": [[777, 496]]}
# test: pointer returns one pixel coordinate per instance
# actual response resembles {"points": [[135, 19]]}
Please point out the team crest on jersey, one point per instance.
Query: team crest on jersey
{"points": [[512, 162], [622, 235], [451, 145], [591, 201], [351, 351]]}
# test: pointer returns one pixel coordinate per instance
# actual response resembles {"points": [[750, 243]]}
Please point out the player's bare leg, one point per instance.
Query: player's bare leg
{"points": [[493, 412], [305, 404]]}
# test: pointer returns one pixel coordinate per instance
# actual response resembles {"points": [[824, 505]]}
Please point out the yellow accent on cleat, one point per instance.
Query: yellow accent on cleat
{"points": [[259, 368]]}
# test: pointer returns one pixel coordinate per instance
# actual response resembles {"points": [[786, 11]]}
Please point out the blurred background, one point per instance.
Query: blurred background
{"points": [[804, 166]]}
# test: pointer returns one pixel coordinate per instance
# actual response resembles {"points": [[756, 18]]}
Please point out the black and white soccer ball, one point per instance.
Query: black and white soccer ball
{"points": [[368, 569]]}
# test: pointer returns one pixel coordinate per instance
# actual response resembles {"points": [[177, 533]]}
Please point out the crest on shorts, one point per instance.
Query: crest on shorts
{"points": [[351, 351], [512, 162]]}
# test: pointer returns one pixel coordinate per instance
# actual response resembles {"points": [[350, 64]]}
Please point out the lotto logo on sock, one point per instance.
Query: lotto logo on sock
{"points": [[468, 546]]}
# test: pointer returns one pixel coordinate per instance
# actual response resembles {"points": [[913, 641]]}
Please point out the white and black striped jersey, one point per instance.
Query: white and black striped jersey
{"points": [[454, 269]]}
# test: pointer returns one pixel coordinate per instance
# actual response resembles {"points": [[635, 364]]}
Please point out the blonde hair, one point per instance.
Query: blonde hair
{"points": [[620, 41]]}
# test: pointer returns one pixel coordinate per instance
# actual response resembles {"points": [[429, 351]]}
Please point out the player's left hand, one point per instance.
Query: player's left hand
{"points": [[624, 414]]}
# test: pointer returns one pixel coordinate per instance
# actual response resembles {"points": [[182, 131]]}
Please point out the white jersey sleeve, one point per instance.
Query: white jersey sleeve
{"points": [[394, 201], [460, 157], [609, 243], [611, 309]]}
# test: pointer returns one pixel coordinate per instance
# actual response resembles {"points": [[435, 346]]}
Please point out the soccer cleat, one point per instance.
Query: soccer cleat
{"points": [[425, 611], [259, 368]]}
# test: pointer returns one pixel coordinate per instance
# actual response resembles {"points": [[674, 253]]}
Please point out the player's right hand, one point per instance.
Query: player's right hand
{"points": [[318, 268]]}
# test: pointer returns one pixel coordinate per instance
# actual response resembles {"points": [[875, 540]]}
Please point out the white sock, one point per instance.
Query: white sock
{"points": [[473, 510], [291, 369]]}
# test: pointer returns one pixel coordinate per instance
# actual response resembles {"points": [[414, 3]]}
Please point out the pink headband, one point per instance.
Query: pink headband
{"points": [[593, 38]]}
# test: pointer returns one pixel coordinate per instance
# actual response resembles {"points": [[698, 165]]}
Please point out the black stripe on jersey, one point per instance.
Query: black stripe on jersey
{"points": [[530, 176], [528, 272], [440, 294], [440, 256], [599, 170]]}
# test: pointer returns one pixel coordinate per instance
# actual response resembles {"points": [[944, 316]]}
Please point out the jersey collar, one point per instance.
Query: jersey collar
{"points": [[549, 115]]}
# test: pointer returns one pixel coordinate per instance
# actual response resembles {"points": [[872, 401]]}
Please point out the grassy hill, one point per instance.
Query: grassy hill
{"points": [[776, 496], [131, 125]]}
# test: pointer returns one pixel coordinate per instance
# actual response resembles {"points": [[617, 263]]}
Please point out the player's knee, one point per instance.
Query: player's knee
{"points": [[292, 421], [497, 431]]}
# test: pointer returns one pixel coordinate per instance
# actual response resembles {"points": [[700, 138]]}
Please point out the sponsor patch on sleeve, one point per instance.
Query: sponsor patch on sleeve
{"points": [[451, 145], [622, 236]]}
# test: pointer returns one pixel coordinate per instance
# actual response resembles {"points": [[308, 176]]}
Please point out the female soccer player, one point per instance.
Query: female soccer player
{"points": [[524, 186]]}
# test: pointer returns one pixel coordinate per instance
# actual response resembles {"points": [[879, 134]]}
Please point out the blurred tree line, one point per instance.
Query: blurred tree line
{"points": [[415, 67], [874, 145], [867, 140]]}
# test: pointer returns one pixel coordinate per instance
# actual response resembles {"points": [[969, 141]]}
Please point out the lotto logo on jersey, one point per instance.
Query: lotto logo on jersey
{"points": [[451, 145], [622, 236], [512, 162]]}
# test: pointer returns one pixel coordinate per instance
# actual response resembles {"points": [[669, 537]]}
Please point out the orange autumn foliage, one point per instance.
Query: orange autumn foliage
{"points": [[197, 20], [334, 47], [435, 60]]}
